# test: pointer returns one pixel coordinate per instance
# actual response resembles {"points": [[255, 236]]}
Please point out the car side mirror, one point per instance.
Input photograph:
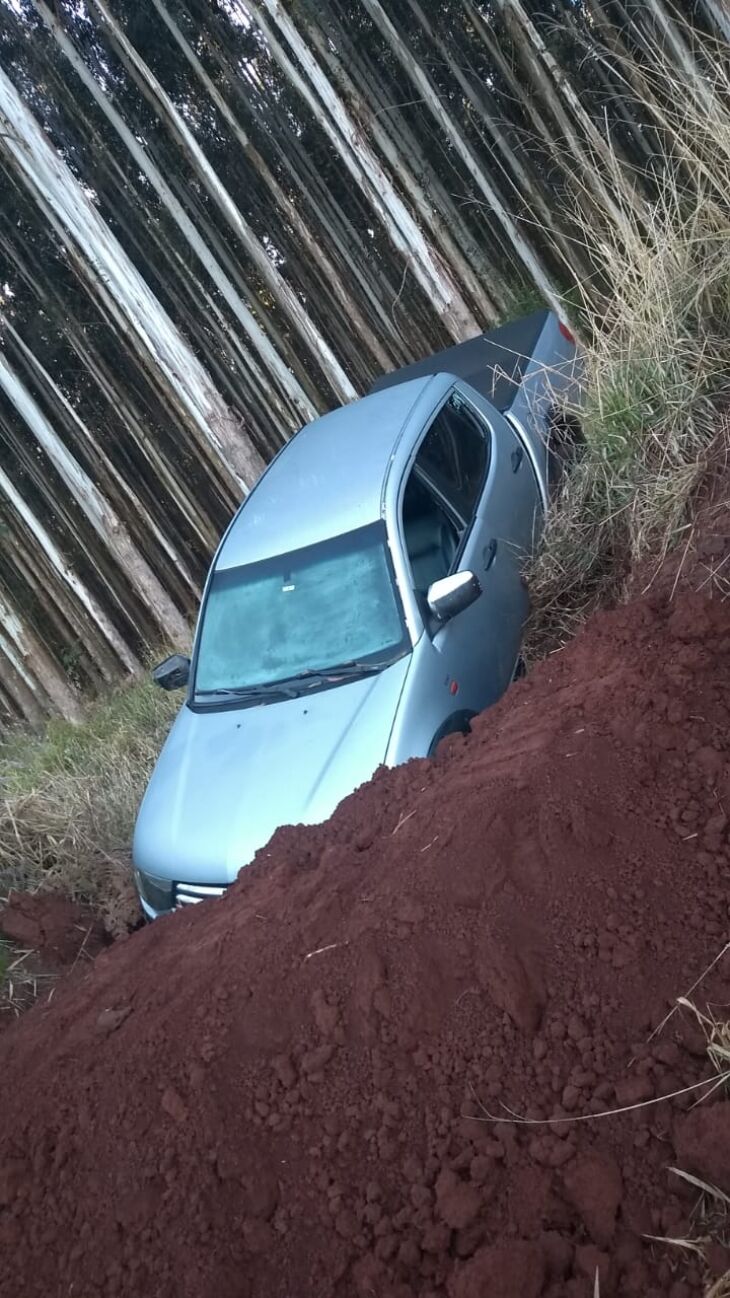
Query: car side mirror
{"points": [[173, 673], [451, 595]]}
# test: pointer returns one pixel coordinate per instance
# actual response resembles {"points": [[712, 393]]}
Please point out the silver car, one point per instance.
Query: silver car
{"points": [[366, 600]]}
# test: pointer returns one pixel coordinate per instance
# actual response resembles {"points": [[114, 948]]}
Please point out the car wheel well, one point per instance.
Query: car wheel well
{"points": [[459, 723]]}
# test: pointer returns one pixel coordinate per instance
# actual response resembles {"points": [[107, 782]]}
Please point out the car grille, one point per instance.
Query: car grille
{"points": [[186, 894]]}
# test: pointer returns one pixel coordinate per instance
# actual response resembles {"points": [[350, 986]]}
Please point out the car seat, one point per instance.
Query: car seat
{"points": [[431, 543]]}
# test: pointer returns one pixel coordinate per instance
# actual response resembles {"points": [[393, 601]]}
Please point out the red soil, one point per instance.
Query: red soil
{"points": [[287, 1094], [57, 929]]}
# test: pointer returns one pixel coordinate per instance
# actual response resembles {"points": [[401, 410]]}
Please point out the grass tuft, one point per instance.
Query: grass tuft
{"points": [[655, 319], [68, 799], [20, 981]]}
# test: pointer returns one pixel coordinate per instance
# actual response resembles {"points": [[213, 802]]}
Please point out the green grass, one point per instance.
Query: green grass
{"points": [[523, 299], [657, 377], [123, 723], [69, 796], [654, 315]]}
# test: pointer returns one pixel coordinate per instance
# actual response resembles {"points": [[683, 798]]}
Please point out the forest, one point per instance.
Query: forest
{"points": [[222, 217]]}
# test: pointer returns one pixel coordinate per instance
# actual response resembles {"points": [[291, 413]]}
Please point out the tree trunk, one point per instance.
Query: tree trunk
{"points": [[104, 467], [506, 158], [18, 686], [719, 14], [114, 281], [73, 627], [451, 129], [404, 164], [99, 512], [581, 140], [38, 669], [43, 539], [169, 477], [693, 76], [175, 209], [313, 247], [173, 120], [367, 171]]}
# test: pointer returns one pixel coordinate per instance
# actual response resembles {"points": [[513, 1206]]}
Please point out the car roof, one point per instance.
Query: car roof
{"points": [[329, 478]]}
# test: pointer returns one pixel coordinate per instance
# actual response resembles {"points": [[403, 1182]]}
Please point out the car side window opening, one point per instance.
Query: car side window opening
{"points": [[442, 491], [454, 458]]}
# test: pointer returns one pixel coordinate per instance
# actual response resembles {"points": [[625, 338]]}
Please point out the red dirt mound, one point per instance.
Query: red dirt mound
{"points": [[59, 930], [287, 1094]]}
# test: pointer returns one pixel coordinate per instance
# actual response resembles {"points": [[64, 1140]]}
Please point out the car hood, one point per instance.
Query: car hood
{"points": [[226, 780]]}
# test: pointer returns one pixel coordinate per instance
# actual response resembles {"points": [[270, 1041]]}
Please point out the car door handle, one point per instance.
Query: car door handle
{"points": [[516, 458], [489, 554]]}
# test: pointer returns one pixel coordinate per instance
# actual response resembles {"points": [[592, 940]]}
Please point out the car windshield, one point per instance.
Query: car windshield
{"points": [[328, 606]]}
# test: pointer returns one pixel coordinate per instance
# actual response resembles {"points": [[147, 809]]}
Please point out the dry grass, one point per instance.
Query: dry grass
{"points": [[656, 317], [711, 1213], [68, 799], [21, 982], [712, 1226], [721, 1287]]}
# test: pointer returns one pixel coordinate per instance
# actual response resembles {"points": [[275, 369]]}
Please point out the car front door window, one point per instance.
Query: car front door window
{"points": [[443, 491], [454, 459], [431, 537]]}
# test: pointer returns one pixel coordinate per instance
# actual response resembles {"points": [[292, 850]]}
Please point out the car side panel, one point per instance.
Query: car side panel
{"points": [[482, 643], [466, 664], [426, 703], [551, 378]]}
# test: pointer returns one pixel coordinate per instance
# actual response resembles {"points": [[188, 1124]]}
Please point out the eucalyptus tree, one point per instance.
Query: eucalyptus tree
{"points": [[221, 217], [111, 277]]}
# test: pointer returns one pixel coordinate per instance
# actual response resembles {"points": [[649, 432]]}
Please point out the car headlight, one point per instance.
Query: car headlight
{"points": [[156, 892]]}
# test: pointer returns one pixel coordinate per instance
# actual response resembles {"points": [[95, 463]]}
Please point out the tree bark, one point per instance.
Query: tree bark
{"points": [[173, 120], [366, 170], [106, 523], [38, 669], [45, 542], [450, 127], [113, 280]]}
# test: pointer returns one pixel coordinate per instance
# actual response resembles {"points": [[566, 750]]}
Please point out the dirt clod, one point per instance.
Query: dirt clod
{"points": [[593, 1186], [512, 1270], [702, 1143]]}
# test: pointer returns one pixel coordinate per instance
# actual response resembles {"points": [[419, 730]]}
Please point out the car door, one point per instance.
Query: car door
{"points": [[504, 530], [470, 501]]}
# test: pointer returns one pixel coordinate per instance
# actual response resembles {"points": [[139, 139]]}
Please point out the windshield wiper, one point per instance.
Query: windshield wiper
{"points": [[249, 691], [309, 674], [355, 668], [288, 687], [341, 671]]}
